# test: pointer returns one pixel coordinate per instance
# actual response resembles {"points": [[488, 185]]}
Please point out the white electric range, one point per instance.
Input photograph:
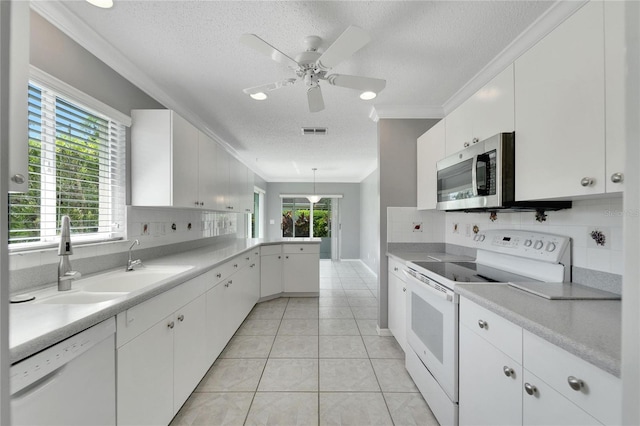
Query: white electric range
{"points": [[503, 256]]}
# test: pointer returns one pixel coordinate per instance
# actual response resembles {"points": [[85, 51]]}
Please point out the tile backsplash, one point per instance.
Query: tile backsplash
{"points": [[153, 227], [409, 225], [595, 227]]}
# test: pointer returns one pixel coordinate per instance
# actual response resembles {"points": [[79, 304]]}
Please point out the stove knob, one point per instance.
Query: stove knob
{"points": [[480, 237], [551, 247], [538, 245], [527, 243]]}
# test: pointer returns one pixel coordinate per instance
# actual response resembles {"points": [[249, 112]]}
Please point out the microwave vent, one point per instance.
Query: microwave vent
{"points": [[314, 131]]}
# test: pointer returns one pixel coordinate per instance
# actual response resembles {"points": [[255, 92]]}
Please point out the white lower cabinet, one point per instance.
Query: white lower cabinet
{"points": [[549, 387], [397, 308], [545, 406], [490, 383], [270, 270], [158, 369], [290, 268]]}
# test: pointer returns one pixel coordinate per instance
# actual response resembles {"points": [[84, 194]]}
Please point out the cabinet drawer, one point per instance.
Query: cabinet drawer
{"points": [[140, 318], [601, 392], [301, 248], [271, 249], [495, 329], [396, 267]]}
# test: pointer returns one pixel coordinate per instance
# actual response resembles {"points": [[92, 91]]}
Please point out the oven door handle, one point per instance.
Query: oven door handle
{"points": [[443, 295], [474, 175]]}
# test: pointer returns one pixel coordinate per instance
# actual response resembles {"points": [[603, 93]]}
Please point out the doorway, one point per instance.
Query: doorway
{"points": [[302, 219]]}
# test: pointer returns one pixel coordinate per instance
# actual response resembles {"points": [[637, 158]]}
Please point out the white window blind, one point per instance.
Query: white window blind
{"points": [[76, 168]]}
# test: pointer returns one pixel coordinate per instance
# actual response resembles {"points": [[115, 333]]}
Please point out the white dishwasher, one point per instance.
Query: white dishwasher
{"points": [[70, 383]]}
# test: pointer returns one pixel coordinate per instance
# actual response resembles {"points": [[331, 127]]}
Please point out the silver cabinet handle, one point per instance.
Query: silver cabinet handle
{"points": [[530, 389], [171, 324], [219, 275], [404, 289], [483, 324], [586, 181], [286, 257], [395, 268], [279, 257], [475, 140], [247, 258], [508, 371], [235, 265], [18, 178], [180, 317], [575, 383], [466, 144], [617, 177]]}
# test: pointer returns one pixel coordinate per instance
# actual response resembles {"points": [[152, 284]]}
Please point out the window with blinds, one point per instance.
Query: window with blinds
{"points": [[76, 168]]}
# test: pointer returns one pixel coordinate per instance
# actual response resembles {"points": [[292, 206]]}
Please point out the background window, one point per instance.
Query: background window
{"points": [[76, 168]]}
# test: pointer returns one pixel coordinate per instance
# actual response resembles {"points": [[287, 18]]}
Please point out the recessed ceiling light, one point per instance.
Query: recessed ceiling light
{"points": [[260, 96], [367, 96], [104, 4]]}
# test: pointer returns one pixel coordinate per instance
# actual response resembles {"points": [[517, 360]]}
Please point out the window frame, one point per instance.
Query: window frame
{"points": [[81, 100]]}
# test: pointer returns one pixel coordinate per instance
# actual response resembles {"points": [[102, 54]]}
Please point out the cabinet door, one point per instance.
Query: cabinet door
{"points": [[270, 275], [190, 360], [492, 106], [237, 185], [301, 273], [18, 66], [145, 377], [615, 49], [459, 129], [247, 197], [185, 162], [206, 172], [559, 109], [222, 179], [216, 333], [487, 395], [398, 309], [431, 149], [548, 407]]}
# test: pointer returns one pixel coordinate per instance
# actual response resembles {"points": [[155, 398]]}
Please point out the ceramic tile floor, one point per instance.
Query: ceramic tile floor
{"points": [[311, 361]]}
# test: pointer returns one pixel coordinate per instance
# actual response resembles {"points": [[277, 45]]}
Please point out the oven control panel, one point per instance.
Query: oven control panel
{"points": [[527, 244]]}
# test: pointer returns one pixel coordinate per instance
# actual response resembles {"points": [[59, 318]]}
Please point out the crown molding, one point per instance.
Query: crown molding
{"points": [[66, 21], [405, 111], [535, 32]]}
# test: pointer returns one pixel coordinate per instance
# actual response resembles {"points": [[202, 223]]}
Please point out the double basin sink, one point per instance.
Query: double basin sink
{"points": [[110, 285]]}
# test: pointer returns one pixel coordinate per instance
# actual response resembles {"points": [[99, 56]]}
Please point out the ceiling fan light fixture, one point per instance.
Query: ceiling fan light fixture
{"points": [[367, 96], [104, 4], [260, 96]]}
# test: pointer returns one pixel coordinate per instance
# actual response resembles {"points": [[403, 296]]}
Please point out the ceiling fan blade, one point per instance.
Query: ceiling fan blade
{"points": [[314, 96], [269, 87], [265, 48], [349, 42], [365, 84]]}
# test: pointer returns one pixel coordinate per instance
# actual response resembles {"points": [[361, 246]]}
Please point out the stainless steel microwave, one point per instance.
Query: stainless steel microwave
{"points": [[482, 177]]}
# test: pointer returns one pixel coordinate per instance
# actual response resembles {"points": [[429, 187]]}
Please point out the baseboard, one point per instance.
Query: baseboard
{"points": [[283, 294], [385, 332]]}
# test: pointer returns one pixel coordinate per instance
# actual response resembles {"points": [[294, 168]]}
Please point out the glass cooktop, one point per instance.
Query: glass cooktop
{"points": [[469, 272]]}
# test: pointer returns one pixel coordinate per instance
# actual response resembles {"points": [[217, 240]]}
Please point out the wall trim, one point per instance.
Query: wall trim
{"points": [[547, 22], [405, 111]]}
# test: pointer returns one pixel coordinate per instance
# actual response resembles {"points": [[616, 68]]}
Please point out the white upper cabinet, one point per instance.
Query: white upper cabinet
{"points": [[615, 48], [18, 67], [431, 148], [559, 110], [175, 164], [488, 112]]}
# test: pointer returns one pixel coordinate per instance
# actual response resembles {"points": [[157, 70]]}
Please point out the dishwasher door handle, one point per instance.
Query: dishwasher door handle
{"points": [[39, 384]]}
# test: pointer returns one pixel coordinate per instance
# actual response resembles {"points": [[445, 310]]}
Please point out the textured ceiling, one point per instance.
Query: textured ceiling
{"points": [[426, 50]]}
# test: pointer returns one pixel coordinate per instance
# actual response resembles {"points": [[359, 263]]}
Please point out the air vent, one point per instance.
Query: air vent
{"points": [[314, 130]]}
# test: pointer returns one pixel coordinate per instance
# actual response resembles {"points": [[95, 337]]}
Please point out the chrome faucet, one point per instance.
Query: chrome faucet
{"points": [[65, 274], [132, 263]]}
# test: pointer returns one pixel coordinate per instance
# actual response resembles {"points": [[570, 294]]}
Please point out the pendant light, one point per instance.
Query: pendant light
{"points": [[314, 198]]}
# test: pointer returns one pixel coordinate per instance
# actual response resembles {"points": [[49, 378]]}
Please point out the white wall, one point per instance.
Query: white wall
{"points": [[409, 225], [604, 215], [370, 221], [349, 210]]}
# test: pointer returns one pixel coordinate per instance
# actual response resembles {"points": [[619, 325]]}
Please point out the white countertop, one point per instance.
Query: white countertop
{"points": [[34, 327]]}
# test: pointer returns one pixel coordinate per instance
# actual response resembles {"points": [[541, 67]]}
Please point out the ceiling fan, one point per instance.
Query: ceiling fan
{"points": [[312, 66]]}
